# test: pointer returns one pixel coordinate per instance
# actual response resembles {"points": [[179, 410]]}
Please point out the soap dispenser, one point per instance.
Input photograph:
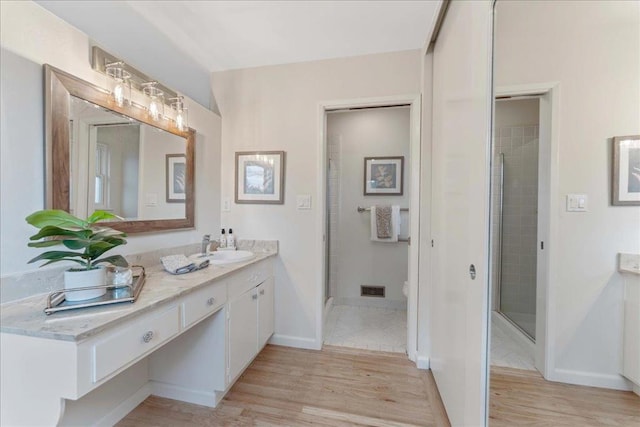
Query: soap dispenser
{"points": [[223, 240], [231, 240]]}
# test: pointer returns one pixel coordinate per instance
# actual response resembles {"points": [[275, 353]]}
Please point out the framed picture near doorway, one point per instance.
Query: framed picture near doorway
{"points": [[260, 177], [176, 172], [383, 176], [626, 171]]}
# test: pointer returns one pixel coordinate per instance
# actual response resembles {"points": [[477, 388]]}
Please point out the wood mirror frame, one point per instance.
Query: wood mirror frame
{"points": [[59, 87]]}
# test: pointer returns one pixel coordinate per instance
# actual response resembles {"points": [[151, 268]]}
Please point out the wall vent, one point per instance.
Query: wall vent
{"points": [[372, 291]]}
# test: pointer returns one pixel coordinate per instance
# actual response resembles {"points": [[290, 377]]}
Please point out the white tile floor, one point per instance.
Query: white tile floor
{"points": [[506, 349], [369, 328]]}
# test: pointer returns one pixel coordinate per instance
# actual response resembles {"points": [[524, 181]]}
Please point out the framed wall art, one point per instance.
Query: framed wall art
{"points": [[383, 176], [176, 172], [260, 177], [626, 171]]}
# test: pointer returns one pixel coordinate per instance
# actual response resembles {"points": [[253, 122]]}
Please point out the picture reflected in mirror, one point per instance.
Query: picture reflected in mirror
{"points": [[119, 164]]}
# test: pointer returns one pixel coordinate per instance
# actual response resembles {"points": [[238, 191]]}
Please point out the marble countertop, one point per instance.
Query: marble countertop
{"points": [[26, 316], [629, 263]]}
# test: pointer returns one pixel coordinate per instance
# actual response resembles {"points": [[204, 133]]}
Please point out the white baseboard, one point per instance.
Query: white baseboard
{"points": [[121, 411], [296, 342], [170, 391], [590, 379], [422, 362]]}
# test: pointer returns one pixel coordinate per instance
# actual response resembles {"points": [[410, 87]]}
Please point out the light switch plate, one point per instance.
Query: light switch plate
{"points": [[303, 201], [576, 202], [226, 204]]}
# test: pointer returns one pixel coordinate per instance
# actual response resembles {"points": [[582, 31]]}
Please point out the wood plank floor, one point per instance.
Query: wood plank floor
{"points": [[350, 387], [293, 387], [524, 398]]}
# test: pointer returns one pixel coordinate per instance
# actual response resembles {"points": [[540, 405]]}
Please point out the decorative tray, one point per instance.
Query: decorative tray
{"points": [[128, 293]]}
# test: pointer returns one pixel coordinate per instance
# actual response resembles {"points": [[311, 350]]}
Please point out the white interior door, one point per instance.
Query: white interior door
{"points": [[460, 210]]}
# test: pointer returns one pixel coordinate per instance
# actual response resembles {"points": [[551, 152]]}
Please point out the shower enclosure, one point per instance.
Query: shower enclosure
{"points": [[515, 219]]}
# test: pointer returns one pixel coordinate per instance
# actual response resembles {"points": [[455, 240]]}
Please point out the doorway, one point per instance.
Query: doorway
{"points": [[367, 150], [514, 231], [346, 219]]}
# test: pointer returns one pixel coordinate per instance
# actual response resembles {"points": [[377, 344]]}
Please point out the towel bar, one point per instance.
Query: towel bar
{"points": [[361, 209]]}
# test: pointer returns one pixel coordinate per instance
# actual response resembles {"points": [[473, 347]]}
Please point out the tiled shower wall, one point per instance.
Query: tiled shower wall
{"points": [[519, 144]]}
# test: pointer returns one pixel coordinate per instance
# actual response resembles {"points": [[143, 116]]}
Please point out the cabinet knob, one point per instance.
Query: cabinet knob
{"points": [[147, 336], [261, 291], [210, 301], [254, 296]]}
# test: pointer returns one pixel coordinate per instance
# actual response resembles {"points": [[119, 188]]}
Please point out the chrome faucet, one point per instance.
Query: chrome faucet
{"points": [[206, 239]]}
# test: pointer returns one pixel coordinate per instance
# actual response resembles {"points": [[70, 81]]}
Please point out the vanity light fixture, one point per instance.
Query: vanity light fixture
{"points": [[121, 91], [182, 121], [156, 103]]}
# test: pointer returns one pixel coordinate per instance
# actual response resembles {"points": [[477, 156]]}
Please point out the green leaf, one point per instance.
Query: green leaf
{"points": [[56, 218], [114, 259], [101, 216], [76, 244], [82, 263], [106, 232], [54, 231], [57, 255], [44, 244], [98, 248]]}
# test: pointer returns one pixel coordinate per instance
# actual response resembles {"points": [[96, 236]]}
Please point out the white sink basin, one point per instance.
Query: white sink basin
{"points": [[226, 257]]}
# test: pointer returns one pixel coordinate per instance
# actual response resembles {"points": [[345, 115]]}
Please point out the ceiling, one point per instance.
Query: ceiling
{"points": [[223, 35], [205, 36]]}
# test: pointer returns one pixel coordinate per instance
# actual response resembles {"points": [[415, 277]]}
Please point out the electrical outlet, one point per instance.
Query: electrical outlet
{"points": [[226, 204]]}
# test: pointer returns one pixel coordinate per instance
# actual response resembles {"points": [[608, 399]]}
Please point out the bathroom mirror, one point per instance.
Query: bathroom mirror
{"points": [[103, 156]]}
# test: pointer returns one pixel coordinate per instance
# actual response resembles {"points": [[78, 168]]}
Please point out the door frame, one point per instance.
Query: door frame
{"points": [[414, 102], [548, 188]]}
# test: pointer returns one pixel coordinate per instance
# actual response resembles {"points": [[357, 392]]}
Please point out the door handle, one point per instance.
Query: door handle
{"points": [[472, 272]]}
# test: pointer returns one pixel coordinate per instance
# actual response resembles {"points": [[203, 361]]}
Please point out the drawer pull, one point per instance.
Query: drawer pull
{"points": [[262, 292], [210, 301], [148, 336]]}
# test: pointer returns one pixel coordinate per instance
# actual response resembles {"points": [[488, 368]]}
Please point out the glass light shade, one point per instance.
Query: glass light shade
{"points": [[154, 109], [118, 94], [121, 89], [156, 103], [180, 121]]}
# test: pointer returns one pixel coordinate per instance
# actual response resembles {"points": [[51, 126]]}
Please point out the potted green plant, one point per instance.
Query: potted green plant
{"points": [[87, 238]]}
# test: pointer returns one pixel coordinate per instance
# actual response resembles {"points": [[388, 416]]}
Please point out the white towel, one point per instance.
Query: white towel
{"points": [[395, 225], [180, 264]]}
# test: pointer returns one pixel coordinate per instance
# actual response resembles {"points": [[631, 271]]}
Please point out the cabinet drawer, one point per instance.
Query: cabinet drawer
{"points": [[203, 302], [133, 341], [250, 277]]}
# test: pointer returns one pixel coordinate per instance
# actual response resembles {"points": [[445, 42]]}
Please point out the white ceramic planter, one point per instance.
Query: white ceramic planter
{"points": [[82, 279]]}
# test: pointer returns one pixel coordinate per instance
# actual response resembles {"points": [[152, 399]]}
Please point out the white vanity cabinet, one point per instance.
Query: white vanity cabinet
{"points": [[243, 332], [250, 320], [265, 312], [195, 334]]}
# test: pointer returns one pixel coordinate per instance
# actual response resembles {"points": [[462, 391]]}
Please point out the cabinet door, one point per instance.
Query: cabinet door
{"points": [[243, 329], [265, 312]]}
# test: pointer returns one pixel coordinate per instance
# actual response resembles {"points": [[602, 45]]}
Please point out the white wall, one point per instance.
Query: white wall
{"points": [[367, 133], [592, 49], [155, 145], [276, 108], [31, 36]]}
